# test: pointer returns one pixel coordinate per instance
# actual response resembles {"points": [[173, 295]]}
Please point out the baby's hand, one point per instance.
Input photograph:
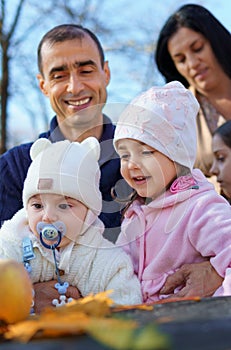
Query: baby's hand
{"points": [[45, 292], [73, 292]]}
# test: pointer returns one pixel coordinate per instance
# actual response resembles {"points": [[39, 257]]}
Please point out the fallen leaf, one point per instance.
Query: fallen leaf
{"points": [[132, 307], [90, 315], [70, 318], [175, 299], [116, 333], [149, 337], [122, 334], [22, 331]]}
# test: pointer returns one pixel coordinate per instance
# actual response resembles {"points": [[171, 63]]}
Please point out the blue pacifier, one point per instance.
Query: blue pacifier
{"points": [[51, 232]]}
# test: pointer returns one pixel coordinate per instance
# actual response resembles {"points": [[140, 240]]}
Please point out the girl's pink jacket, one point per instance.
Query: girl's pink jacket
{"points": [[192, 225]]}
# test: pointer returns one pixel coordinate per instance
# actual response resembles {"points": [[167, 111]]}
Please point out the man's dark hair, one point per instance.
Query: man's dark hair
{"points": [[66, 32]]}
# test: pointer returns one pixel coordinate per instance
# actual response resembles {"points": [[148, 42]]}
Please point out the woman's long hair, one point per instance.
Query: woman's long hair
{"points": [[200, 20]]}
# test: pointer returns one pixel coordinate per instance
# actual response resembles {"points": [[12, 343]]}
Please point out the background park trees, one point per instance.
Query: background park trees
{"points": [[126, 28]]}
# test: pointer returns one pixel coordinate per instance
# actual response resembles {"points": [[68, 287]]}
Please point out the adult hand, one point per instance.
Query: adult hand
{"points": [[198, 279], [45, 292]]}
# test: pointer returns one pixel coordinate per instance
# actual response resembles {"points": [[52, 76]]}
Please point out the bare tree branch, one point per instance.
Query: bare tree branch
{"points": [[15, 22], [21, 31]]}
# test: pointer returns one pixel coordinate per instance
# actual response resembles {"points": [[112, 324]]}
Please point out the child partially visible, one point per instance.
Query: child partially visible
{"points": [[62, 202], [175, 215], [221, 167]]}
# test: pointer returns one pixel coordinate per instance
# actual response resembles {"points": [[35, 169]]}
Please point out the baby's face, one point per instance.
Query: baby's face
{"points": [[145, 169], [49, 208]]}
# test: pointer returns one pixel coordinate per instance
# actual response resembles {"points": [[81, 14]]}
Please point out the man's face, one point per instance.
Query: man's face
{"points": [[74, 80]]}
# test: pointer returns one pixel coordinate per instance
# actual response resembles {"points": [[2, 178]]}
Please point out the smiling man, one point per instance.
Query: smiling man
{"points": [[74, 75]]}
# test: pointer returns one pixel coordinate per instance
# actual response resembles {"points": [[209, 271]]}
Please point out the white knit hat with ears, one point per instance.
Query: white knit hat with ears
{"points": [[165, 119], [66, 168]]}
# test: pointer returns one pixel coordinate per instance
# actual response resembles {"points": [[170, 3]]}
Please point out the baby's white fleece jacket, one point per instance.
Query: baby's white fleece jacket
{"points": [[92, 265]]}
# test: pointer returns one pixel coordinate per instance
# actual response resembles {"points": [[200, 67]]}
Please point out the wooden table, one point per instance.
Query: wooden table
{"points": [[191, 325]]}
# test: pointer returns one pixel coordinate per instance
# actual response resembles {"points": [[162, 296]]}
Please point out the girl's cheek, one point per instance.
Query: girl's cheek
{"points": [[123, 171]]}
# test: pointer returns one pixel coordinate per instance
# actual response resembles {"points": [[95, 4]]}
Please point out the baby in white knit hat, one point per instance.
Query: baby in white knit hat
{"points": [[58, 234]]}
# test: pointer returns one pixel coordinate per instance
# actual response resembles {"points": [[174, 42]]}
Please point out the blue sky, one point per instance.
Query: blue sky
{"points": [[153, 15], [222, 10]]}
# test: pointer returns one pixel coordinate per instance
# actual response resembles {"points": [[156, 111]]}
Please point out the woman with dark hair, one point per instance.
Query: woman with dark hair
{"points": [[195, 48], [221, 167]]}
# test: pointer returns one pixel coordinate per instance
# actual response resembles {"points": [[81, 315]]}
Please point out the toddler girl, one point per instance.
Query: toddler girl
{"points": [[175, 215]]}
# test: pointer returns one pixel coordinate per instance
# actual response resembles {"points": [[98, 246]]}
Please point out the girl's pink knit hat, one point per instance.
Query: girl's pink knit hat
{"points": [[165, 119]]}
